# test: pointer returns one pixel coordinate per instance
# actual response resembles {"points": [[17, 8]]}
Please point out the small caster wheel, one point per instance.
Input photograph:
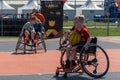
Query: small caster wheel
{"points": [[65, 75], [57, 73]]}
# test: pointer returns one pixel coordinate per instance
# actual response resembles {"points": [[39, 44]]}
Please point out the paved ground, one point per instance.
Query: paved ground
{"points": [[42, 66], [109, 76]]}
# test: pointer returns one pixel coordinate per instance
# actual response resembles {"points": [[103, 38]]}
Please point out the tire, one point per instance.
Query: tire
{"points": [[18, 44], [44, 33], [41, 42], [35, 49], [65, 75], [44, 46], [62, 62], [62, 38], [60, 41], [57, 73], [96, 64]]}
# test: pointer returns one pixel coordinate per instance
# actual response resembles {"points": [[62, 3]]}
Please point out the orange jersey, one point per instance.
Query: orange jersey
{"points": [[39, 16]]}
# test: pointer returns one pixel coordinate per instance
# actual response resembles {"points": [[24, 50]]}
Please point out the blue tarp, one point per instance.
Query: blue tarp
{"points": [[112, 8]]}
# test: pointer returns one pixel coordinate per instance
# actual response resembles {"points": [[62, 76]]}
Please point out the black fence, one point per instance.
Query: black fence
{"points": [[11, 27]]}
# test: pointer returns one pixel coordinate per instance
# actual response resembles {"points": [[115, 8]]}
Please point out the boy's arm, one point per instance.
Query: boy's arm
{"points": [[87, 43], [23, 28]]}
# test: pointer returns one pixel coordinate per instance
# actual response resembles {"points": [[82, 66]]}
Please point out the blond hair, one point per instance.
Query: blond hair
{"points": [[79, 18]]}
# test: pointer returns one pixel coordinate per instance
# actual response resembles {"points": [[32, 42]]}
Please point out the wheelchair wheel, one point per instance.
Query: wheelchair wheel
{"points": [[94, 61], [41, 43], [44, 45], [62, 38], [63, 62], [44, 33], [21, 45], [18, 44], [62, 41]]}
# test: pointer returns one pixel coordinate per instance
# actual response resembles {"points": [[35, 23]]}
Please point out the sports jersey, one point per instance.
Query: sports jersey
{"points": [[39, 16], [28, 26], [84, 33]]}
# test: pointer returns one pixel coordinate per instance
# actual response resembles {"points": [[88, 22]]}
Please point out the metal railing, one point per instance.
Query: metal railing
{"points": [[12, 27]]}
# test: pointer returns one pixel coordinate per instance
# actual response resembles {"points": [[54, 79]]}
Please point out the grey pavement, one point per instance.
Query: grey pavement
{"points": [[71, 76], [10, 46], [52, 45]]}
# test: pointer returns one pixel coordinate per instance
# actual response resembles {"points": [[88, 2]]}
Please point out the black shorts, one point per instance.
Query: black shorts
{"points": [[79, 47]]}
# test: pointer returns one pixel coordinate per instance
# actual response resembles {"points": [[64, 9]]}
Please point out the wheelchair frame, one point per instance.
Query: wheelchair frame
{"points": [[39, 44], [84, 60]]}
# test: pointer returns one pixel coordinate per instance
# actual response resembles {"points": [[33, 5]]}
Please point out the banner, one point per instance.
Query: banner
{"points": [[53, 12]]}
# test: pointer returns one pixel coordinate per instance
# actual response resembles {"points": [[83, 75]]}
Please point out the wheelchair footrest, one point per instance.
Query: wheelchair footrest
{"points": [[69, 70]]}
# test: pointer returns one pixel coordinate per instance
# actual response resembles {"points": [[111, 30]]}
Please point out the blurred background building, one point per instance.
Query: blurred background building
{"points": [[14, 13], [71, 7]]}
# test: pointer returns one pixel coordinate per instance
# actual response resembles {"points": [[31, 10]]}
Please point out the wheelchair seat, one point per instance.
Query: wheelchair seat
{"points": [[92, 49], [94, 40]]}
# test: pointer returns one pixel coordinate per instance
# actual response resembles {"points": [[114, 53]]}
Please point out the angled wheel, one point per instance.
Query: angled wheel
{"points": [[65, 75], [41, 43], [62, 38], [63, 41], [44, 33], [94, 61], [22, 46], [18, 43], [57, 73], [44, 45]]}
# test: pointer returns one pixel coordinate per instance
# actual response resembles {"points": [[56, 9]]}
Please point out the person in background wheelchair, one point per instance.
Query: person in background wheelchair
{"points": [[40, 17], [84, 36], [39, 26], [38, 31], [28, 30]]}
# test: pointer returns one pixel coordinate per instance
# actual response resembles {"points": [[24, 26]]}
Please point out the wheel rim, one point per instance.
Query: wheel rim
{"points": [[97, 64]]}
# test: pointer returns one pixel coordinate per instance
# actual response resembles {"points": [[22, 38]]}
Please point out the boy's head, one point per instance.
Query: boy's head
{"points": [[78, 20], [33, 20]]}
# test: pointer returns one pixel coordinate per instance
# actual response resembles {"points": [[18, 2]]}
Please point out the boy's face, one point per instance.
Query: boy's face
{"points": [[78, 24], [33, 21]]}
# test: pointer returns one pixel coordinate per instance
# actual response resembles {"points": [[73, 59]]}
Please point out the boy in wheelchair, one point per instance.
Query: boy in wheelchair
{"points": [[28, 30], [32, 29], [84, 34], [40, 20]]}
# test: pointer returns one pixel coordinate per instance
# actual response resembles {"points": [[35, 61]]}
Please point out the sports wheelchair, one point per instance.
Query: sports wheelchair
{"points": [[39, 43], [93, 61]]}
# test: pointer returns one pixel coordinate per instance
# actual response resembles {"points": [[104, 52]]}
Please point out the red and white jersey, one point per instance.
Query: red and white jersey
{"points": [[84, 34]]}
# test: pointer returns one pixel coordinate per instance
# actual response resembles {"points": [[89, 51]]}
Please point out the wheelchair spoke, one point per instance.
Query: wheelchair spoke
{"points": [[97, 63]]}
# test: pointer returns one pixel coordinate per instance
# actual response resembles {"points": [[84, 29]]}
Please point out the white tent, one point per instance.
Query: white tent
{"points": [[90, 5], [6, 9], [67, 7], [69, 11], [82, 2], [27, 8], [89, 9]]}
